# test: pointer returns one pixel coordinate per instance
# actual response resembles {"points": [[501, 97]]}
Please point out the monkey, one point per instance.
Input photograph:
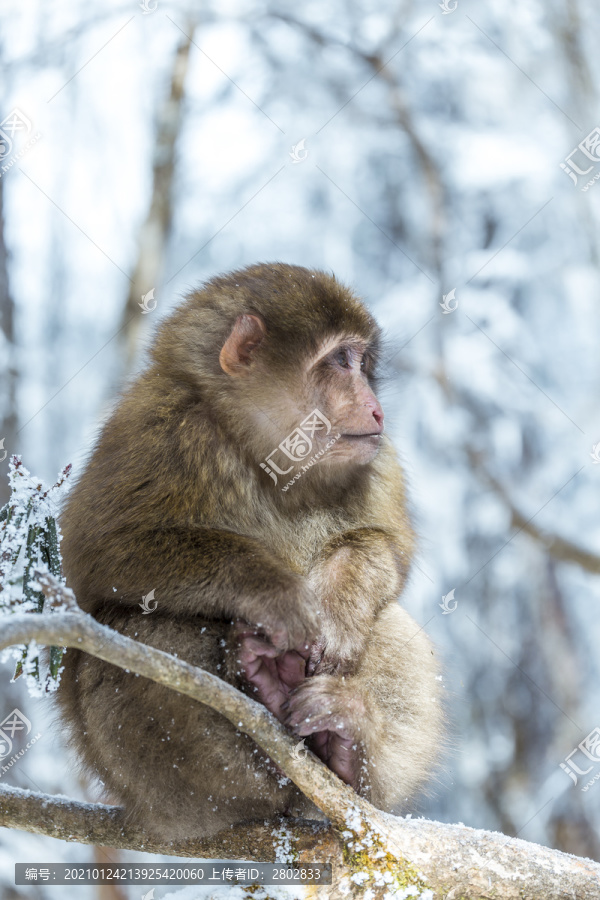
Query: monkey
{"points": [[245, 479]]}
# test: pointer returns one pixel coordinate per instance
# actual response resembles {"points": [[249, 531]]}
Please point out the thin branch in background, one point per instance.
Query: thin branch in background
{"points": [[559, 547], [402, 117]]}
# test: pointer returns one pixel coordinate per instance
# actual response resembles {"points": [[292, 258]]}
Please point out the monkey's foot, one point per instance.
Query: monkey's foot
{"points": [[328, 710], [270, 675]]}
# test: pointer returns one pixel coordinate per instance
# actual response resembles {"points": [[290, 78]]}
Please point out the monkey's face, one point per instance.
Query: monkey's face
{"points": [[339, 384], [323, 409]]}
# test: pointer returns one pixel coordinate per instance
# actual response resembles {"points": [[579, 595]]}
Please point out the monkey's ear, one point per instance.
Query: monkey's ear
{"points": [[236, 353]]}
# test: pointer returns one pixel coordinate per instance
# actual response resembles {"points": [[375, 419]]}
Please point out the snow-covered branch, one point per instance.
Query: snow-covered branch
{"points": [[449, 861], [380, 850], [77, 629]]}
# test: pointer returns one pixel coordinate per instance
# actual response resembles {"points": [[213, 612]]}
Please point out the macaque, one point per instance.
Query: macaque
{"points": [[244, 478]]}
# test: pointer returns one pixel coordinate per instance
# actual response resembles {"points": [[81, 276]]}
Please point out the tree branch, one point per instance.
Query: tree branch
{"points": [[78, 629], [95, 823], [455, 861], [402, 118], [412, 853], [558, 547]]}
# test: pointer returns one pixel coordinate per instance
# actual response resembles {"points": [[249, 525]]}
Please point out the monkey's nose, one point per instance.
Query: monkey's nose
{"points": [[378, 416]]}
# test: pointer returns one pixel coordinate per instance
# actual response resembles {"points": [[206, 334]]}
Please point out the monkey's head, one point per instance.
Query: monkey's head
{"points": [[269, 345]]}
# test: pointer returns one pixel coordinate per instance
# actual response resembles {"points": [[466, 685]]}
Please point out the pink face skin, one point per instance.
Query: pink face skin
{"points": [[335, 382], [348, 401]]}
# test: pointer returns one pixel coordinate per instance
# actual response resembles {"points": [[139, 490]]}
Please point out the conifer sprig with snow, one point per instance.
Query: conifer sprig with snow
{"points": [[30, 543]]}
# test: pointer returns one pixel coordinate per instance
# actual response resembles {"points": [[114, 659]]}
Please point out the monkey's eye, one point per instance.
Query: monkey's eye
{"points": [[342, 358], [364, 363]]}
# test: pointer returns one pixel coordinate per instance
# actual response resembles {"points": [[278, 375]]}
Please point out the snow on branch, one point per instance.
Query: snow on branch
{"points": [[29, 542], [366, 847]]}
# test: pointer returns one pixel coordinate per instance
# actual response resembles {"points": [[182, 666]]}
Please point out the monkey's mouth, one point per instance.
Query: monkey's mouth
{"points": [[371, 435]]}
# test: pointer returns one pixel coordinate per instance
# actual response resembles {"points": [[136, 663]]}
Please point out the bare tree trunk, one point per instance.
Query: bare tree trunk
{"points": [[156, 228], [9, 373]]}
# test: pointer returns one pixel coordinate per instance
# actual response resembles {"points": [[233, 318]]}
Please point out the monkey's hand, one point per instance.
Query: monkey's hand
{"points": [[334, 715], [334, 652], [269, 675], [290, 619]]}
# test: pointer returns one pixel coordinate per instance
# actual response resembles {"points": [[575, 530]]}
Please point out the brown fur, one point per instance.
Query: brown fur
{"points": [[173, 500]]}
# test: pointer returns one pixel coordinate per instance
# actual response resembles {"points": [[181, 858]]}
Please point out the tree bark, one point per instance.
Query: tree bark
{"points": [[366, 847], [454, 861], [157, 225]]}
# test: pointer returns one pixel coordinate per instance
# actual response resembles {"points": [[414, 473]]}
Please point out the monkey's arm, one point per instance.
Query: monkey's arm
{"points": [[360, 571], [216, 574], [356, 575]]}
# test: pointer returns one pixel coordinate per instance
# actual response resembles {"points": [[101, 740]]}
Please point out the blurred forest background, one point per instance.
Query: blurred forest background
{"points": [[415, 150]]}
